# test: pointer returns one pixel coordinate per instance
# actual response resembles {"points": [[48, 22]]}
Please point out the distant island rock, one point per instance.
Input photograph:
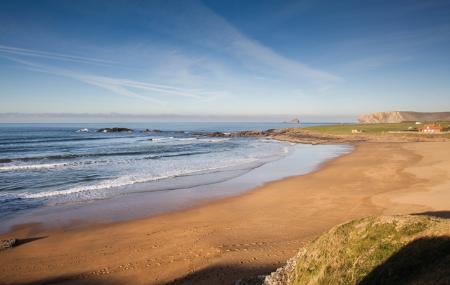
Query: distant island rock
{"points": [[114, 130], [293, 121], [403, 116]]}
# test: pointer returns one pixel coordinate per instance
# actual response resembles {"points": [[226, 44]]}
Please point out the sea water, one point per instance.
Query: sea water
{"points": [[61, 165]]}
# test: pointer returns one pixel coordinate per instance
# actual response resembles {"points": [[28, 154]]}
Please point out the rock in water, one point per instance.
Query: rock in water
{"points": [[148, 131], [217, 134], [7, 243], [293, 121], [114, 130]]}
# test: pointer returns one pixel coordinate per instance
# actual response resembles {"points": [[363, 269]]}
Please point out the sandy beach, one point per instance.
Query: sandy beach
{"points": [[238, 237]]}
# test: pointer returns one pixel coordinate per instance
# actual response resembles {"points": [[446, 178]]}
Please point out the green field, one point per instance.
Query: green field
{"points": [[369, 128]]}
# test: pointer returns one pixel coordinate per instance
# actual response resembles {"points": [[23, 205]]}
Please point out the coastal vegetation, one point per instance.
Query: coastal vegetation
{"points": [[379, 128], [375, 250]]}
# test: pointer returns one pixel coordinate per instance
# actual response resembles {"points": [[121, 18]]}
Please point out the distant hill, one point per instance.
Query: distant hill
{"points": [[410, 249], [400, 116]]}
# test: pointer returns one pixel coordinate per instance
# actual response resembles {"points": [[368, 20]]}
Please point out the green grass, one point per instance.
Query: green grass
{"points": [[363, 251], [367, 128]]}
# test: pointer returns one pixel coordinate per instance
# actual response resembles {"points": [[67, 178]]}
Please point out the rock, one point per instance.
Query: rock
{"points": [[217, 134], [253, 133], [250, 134], [148, 131], [114, 130], [84, 130], [293, 121], [7, 243]]}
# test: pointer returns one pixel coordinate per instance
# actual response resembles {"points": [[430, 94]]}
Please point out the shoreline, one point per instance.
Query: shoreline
{"points": [[234, 237]]}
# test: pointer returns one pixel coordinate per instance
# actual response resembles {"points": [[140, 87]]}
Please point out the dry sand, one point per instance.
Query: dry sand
{"points": [[241, 236]]}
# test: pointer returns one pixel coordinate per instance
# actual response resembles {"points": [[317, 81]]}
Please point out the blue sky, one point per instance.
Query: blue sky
{"points": [[229, 59]]}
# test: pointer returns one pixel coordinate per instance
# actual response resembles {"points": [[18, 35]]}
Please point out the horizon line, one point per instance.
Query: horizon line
{"points": [[19, 117]]}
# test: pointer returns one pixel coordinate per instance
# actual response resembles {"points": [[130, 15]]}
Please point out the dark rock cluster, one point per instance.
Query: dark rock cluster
{"points": [[114, 130], [149, 131]]}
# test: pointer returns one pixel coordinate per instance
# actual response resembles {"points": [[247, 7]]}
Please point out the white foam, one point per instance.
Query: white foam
{"points": [[217, 140], [187, 140], [161, 139], [32, 166], [130, 180]]}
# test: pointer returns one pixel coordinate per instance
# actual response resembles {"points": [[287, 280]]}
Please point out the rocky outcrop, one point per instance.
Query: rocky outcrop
{"points": [[218, 134], [114, 130], [400, 116], [253, 133]]}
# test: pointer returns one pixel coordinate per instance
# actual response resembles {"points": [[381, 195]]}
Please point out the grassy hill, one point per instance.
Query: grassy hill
{"points": [[376, 250]]}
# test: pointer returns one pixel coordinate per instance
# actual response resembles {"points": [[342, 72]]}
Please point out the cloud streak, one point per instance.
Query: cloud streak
{"points": [[51, 55], [204, 27], [121, 86]]}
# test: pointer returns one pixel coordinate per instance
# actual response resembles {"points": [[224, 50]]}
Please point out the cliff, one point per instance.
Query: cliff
{"points": [[400, 116]]}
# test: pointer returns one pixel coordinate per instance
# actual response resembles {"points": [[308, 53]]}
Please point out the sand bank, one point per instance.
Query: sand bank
{"points": [[250, 234]]}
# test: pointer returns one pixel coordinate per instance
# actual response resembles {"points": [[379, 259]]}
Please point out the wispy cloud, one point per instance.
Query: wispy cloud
{"points": [[246, 48], [51, 55], [272, 59], [202, 26], [121, 86], [214, 60]]}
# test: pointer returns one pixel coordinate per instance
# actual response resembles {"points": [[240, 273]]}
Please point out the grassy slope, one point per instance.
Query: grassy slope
{"points": [[368, 128], [383, 250]]}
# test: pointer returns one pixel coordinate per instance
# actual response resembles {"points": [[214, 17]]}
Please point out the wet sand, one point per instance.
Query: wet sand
{"points": [[237, 237]]}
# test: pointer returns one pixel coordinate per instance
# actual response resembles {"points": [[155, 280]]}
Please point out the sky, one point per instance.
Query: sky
{"points": [[224, 60]]}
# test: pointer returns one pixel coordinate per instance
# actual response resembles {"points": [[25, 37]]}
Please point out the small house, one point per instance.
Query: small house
{"points": [[432, 129], [356, 131]]}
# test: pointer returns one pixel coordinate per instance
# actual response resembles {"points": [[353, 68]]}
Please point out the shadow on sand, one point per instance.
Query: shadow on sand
{"points": [[422, 261], [222, 274], [436, 214], [213, 275], [72, 279], [22, 241]]}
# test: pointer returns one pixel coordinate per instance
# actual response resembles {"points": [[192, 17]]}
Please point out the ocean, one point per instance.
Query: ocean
{"points": [[45, 165]]}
